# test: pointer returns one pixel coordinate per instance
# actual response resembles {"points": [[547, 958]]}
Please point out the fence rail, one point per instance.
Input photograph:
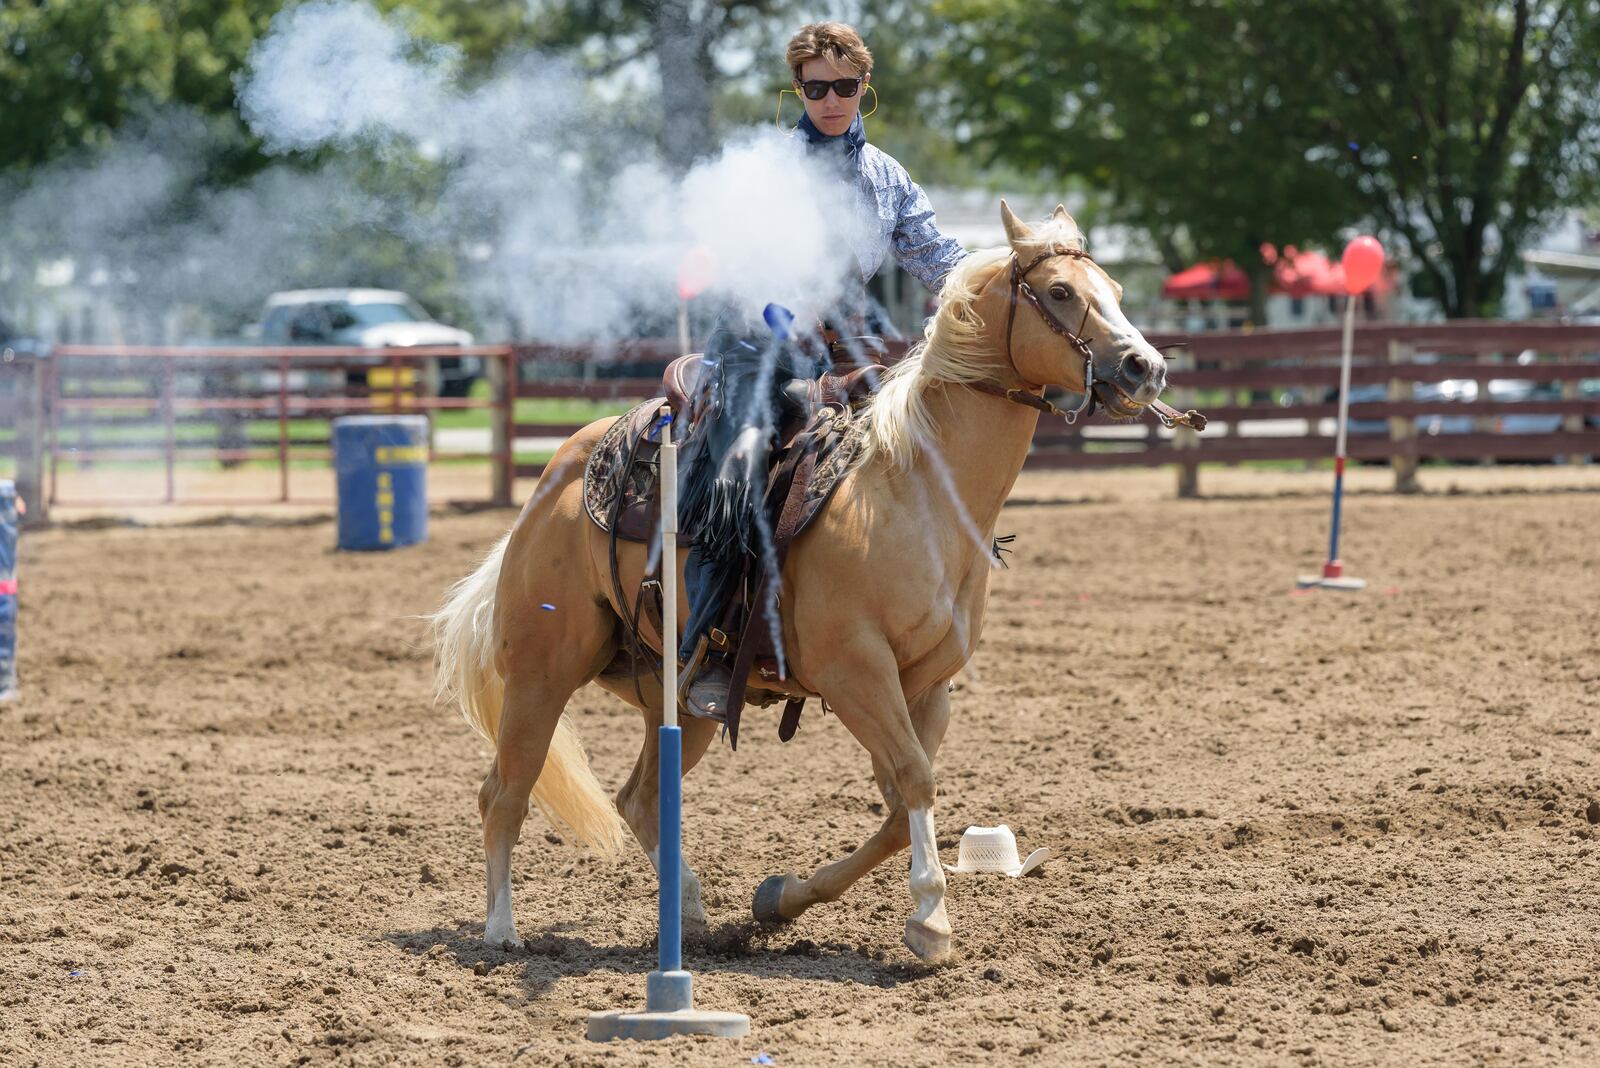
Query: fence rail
{"points": [[1241, 380], [85, 405], [1266, 392]]}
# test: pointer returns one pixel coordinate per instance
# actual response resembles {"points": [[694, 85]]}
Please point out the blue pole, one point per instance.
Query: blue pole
{"points": [[669, 990], [671, 848], [1338, 497]]}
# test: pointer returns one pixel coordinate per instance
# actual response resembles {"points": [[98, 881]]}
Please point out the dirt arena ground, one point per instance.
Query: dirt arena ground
{"points": [[1291, 828]]}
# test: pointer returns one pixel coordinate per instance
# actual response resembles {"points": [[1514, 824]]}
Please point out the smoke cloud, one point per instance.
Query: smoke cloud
{"points": [[553, 211], [584, 224]]}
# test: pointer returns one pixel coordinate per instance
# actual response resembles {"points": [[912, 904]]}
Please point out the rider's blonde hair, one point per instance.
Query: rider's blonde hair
{"points": [[830, 40]]}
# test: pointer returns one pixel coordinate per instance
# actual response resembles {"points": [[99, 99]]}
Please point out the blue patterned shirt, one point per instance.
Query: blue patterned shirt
{"points": [[901, 210], [905, 223]]}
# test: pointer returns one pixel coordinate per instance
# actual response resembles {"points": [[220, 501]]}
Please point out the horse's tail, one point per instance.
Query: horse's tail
{"points": [[464, 672]]}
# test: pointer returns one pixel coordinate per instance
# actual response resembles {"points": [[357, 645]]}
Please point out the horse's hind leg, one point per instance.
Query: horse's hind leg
{"points": [[544, 660], [528, 720], [640, 798], [785, 897]]}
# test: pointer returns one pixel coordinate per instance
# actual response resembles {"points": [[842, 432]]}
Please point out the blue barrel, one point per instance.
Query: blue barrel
{"points": [[8, 589], [381, 464]]}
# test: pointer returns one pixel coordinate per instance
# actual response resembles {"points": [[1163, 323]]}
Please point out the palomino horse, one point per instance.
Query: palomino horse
{"points": [[883, 596]]}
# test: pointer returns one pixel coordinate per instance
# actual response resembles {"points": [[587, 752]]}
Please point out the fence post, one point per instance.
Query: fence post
{"points": [[1186, 439], [1402, 430], [1572, 389], [502, 423], [31, 424]]}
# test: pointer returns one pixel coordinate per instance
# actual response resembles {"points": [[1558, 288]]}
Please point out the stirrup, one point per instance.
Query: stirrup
{"points": [[692, 671], [687, 673], [709, 711]]}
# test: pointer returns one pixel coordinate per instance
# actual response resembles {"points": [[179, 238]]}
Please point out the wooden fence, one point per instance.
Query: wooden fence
{"points": [[152, 407], [1267, 393]]}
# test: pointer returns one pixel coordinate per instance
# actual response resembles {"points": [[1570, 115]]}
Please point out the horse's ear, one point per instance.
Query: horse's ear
{"points": [[1060, 215], [1017, 231]]}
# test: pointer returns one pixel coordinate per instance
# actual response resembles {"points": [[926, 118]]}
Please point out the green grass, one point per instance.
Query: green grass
{"points": [[552, 410]]}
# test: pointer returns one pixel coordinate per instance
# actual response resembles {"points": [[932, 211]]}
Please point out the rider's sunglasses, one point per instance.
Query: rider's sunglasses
{"points": [[818, 88]]}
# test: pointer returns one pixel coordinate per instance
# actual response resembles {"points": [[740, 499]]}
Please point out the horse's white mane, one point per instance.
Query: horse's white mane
{"points": [[953, 349]]}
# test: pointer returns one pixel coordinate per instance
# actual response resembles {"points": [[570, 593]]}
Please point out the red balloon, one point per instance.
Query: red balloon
{"points": [[1362, 262], [696, 272]]}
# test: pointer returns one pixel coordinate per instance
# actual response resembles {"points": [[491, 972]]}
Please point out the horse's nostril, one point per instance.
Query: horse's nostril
{"points": [[1136, 367]]}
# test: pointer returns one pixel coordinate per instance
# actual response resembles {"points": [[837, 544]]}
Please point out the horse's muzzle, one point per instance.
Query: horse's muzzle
{"points": [[1139, 380]]}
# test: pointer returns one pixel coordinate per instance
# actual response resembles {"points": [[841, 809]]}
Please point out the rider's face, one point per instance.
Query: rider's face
{"points": [[832, 114]]}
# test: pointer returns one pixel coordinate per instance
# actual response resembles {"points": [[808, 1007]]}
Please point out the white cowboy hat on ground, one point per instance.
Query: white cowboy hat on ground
{"points": [[994, 849]]}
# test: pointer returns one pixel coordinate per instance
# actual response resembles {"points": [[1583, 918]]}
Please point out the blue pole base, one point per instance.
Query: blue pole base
{"points": [[668, 991]]}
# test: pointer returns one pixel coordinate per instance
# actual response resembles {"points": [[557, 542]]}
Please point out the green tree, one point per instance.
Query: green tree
{"points": [[121, 145], [1168, 105], [685, 39], [1459, 126], [74, 71], [1465, 125]]}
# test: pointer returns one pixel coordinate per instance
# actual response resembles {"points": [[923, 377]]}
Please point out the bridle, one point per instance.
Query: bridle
{"points": [[1020, 289]]}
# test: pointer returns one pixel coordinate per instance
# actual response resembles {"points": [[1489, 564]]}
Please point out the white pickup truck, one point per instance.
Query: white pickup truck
{"points": [[370, 318]]}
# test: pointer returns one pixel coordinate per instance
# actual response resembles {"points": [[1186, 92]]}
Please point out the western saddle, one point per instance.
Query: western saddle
{"points": [[817, 438]]}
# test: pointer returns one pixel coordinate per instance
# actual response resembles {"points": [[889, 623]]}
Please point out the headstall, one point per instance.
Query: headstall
{"points": [[1020, 288]]}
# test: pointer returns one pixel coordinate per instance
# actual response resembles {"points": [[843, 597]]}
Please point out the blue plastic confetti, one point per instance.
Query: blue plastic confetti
{"points": [[762, 1058], [1354, 146], [548, 607], [74, 973]]}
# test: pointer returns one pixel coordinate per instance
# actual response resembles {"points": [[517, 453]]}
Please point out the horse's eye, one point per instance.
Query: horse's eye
{"points": [[1060, 292]]}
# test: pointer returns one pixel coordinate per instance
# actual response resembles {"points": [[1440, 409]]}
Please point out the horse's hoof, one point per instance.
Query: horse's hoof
{"points": [[501, 936], [768, 896], [927, 943]]}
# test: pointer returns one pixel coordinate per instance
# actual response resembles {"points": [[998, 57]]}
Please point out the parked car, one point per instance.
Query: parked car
{"points": [[369, 318], [1516, 390], [1452, 389], [13, 341]]}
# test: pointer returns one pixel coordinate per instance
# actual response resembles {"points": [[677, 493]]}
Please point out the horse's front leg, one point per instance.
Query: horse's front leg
{"points": [[863, 689], [784, 897]]}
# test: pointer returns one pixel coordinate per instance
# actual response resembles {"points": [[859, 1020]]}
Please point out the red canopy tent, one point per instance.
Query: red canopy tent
{"points": [[1220, 280], [1294, 273]]}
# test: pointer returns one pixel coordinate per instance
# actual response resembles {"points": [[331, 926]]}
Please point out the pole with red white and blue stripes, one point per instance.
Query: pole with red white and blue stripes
{"points": [[10, 523], [1362, 263], [1334, 567]]}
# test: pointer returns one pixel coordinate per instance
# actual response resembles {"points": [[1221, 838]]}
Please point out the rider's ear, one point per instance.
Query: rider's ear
{"points": [[1017, 231]]}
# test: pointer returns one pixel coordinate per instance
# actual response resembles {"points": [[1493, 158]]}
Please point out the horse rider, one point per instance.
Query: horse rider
{"points": [[723, 471]]}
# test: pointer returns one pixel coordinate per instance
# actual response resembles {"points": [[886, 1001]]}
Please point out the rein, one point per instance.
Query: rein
{"points": [[1169, 417]]}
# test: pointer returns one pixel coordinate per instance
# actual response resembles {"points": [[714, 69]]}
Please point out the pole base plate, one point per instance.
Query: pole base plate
{"points": [[668, 1010], [1340, 583], [648, 1026]]}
